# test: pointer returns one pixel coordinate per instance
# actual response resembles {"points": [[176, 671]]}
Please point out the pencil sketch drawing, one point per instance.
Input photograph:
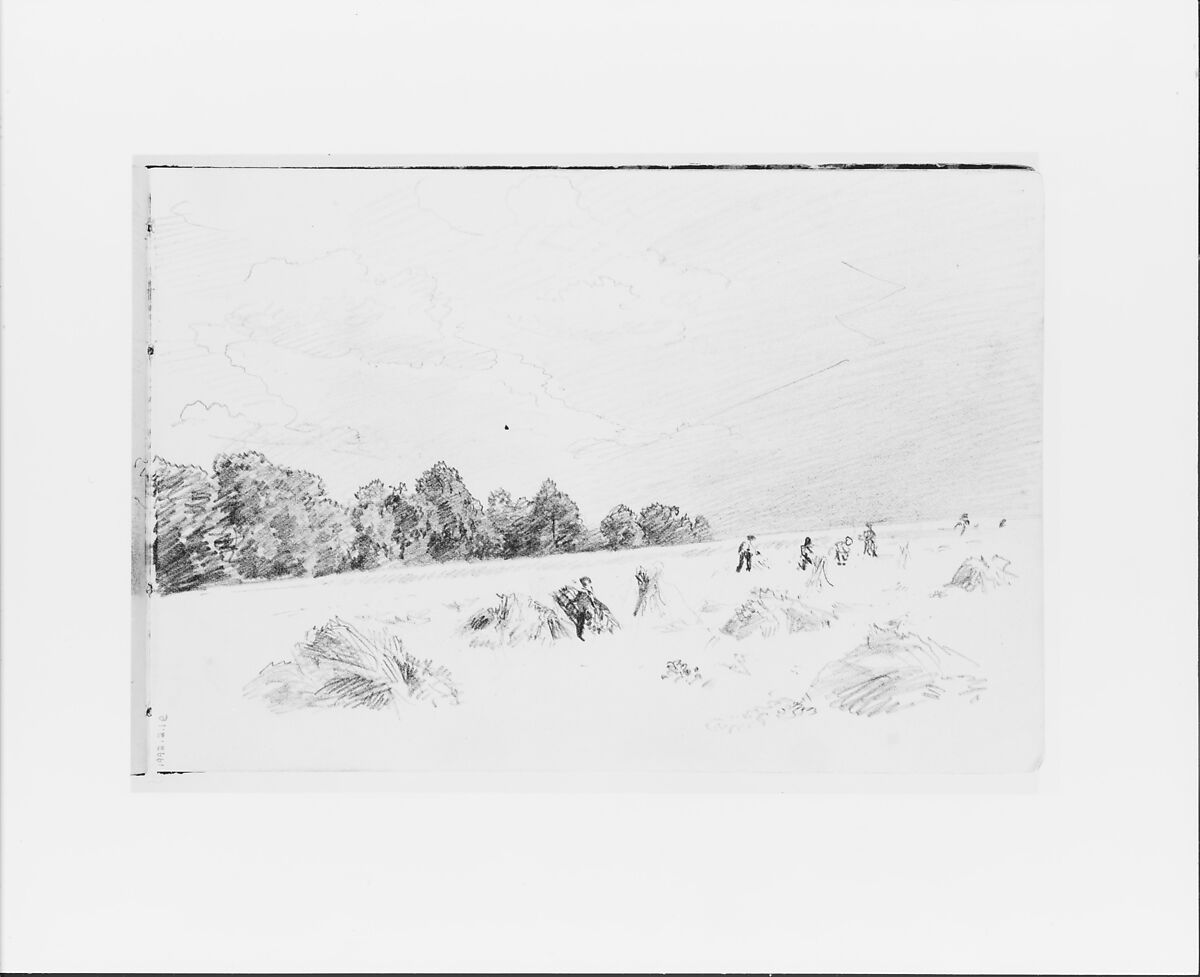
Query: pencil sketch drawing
{"points": [[593, 468]]}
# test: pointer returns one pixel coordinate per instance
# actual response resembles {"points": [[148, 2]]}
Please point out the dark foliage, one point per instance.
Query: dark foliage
{"points": [[252, 519], [556, 520], [620, 528], [511, 524], [664, 525], [452, 520], [186, 527], [278, 521], [372, 526], [404, 520]]}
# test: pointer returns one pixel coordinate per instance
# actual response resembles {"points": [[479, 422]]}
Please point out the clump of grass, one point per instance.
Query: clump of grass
{"points": [[775, 709], [339, 665], [680, 671]]}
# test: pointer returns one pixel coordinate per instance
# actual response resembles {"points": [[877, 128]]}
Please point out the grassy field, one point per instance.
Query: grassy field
{"points": [[603, 705]]}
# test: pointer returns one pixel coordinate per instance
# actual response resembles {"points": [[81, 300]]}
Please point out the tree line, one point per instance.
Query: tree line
{"points": [[250, 519]]}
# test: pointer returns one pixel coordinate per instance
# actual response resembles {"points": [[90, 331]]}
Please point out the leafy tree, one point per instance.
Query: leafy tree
{"points": [[332, 535], [556, 518], [277, 522], [252, 518], [186, 527], [663, 525], [372, 526], [620, 528], [511, 525], [452, 520], [404, 516]]}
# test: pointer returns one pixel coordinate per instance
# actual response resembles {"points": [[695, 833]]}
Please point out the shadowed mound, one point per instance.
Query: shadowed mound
{"points": [[516, 620], [338, 665], [893, 670], [768, 612], [976, 573]]}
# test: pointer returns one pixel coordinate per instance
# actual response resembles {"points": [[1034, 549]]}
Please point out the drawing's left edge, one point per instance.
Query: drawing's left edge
{"points": [[139, 469]]}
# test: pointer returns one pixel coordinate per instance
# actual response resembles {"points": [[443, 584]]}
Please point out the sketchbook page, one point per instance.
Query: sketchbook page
{"points": [[478, 469]]}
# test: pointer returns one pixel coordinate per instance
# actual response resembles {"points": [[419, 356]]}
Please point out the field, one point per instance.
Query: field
{"points": [[971, 660]]}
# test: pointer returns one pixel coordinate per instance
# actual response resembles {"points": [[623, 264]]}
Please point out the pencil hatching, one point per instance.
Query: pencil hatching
{"points": [[602, 469]]}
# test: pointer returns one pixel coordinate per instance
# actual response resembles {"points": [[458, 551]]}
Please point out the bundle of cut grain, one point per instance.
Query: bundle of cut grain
{"points": [[339, 665], [768, 612], [584, 609], [976, 573], [894, 669], [517, 619], [649, 599], [818, 575]]}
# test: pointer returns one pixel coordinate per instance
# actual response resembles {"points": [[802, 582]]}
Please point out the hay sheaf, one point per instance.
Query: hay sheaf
{"points": [[649, 588], [894, 669], [585, 610], [768, 612], [516, 619], [339, 665], [978, 574]]}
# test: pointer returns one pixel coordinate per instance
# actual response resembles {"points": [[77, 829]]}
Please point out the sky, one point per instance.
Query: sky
{"points": [[776, 350]]}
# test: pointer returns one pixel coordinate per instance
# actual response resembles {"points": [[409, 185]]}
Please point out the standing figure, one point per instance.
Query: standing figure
{"points": [[583, 606], [584, 609], [868, 538], [963, 522], [841, 550], [806, 553], [746, 554]]}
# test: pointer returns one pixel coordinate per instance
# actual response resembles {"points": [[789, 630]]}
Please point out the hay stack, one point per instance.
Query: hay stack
{"points": [[339, 665], [976, 573], [894, 669], [649, 586], [517, 619], [585, 610], [768, 612]]}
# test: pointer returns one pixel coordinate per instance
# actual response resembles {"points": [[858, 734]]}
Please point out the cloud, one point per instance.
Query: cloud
{"points": [[598, 337], [334, 306], [205, 429], [367, 325]]}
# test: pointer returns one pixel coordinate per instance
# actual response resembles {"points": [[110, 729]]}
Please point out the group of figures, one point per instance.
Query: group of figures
{"points": [[747, 551], [841, 549], [585, 611]]}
